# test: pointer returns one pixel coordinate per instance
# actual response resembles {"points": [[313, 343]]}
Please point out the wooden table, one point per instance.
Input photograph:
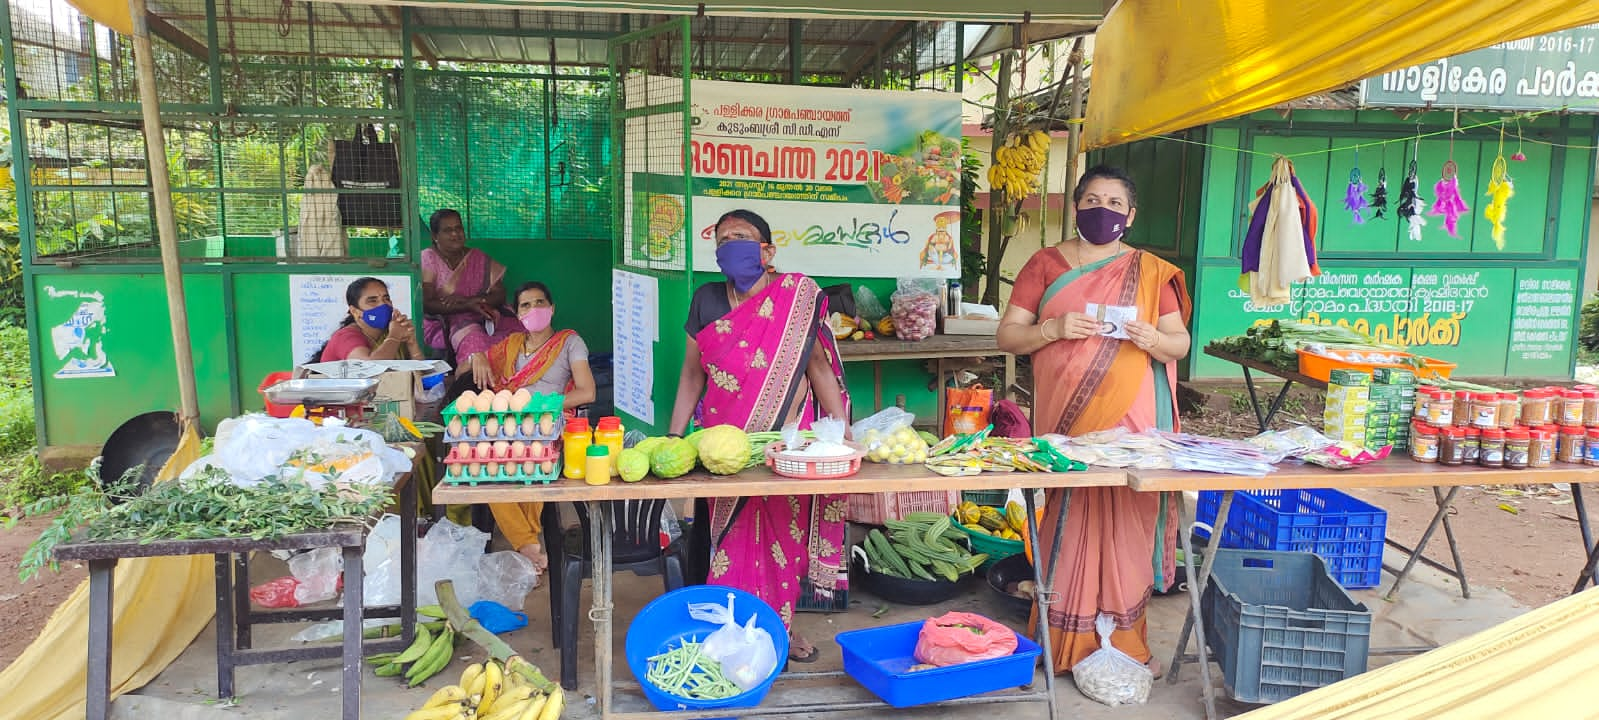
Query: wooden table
{"points": [[758, 482], [937, 348], [1393, 472], [1289, 377], [233, 614]]}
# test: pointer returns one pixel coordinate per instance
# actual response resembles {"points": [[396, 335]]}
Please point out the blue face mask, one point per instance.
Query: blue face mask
{"points": [[740, 261], [378, 318]]}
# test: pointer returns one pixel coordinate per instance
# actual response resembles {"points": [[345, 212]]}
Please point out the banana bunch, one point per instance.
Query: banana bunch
{"points": [[491, 691], [1018, 163], [428, 654]]}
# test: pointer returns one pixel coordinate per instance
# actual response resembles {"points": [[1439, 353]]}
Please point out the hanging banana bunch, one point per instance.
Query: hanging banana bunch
{"points": [[1017, 165]]}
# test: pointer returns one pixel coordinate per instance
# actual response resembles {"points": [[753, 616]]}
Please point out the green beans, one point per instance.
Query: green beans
{"points": [[685, 672]]}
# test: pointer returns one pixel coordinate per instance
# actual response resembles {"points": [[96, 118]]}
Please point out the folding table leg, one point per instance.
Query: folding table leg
{"points": [[600, 543], [1196, 622], [1264, 418], [225, 624], [1044, 586], [354, 608], [98, 701], [1589, 570], [1440, 518]]}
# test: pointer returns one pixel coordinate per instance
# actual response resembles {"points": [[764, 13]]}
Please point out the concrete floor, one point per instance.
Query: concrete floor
{"points": [[1429, 610]]}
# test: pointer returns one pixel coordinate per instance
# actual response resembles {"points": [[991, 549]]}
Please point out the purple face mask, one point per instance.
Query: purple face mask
{"points": [[740, 261], [1101, 225]]}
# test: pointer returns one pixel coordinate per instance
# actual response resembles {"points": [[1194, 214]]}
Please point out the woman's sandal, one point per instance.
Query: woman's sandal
{"points": [[809, 657]]}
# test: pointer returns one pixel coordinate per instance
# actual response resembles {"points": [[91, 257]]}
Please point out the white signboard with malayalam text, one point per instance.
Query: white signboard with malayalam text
{"points": [[635, 299], [317, 306]]}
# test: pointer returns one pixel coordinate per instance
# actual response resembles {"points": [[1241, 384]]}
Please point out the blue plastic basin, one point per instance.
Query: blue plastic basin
{"points": [[664, 624], [880, 659]]}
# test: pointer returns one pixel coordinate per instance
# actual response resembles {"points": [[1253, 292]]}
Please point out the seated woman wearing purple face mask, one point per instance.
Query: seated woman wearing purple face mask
{"points": [[373, 330]]}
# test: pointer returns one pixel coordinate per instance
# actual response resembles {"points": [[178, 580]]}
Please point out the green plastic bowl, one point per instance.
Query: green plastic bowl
{"points": [[997, 548]]}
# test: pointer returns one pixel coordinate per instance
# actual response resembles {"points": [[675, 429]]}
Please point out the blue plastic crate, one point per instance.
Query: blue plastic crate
{"points": [[1279, 625], [1345, 531], [880, 658]]}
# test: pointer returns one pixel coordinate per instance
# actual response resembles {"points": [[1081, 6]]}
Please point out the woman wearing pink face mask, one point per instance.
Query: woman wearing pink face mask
{"points": [[543, 360]]}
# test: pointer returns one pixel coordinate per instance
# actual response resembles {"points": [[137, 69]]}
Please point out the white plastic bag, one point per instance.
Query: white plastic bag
{"points": [[506, 577], [380, 563], [449, 552], [318, 572], [889, 437], [1109, 675], [746, 653]]}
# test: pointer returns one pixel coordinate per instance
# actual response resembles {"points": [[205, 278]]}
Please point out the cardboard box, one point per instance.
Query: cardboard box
{"points": [[970, 326], [1393, 376], [400, 388], [1349, 378]]}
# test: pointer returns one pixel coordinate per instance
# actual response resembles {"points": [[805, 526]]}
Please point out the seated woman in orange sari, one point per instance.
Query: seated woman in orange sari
{"points": [[760, 352], [543, 360], [1119, 544]]}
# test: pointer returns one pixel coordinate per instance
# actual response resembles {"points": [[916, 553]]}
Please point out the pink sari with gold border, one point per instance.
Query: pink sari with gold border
{"points": [[755, 359], [464, 331], [1119, 543]]}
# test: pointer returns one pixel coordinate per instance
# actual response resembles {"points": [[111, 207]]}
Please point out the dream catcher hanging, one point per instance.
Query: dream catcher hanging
{"points": [[1355, 193], [1499, 191], [1379, 196], [1447, 201], [1411, 204]]}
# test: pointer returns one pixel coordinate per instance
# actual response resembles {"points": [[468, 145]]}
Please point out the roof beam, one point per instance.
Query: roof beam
{"points": [[422, 45], [172, 34], [889, 38]]}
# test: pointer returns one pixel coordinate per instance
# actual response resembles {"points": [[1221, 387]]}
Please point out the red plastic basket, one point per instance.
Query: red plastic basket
{"points": [[874, 508], [273, 409], [811, 468]]}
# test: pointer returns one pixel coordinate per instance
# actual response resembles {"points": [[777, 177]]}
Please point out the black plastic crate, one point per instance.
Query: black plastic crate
{"points": [[1280, 625]]}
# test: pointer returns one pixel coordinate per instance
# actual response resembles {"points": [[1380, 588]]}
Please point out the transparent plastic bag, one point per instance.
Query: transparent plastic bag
{"points": [[915, 308], [1109, 675], [867, 304], [889, 437], [449, 552], [829, 440], [318, 572], [746, 653], [380, 563], [506, 578]]}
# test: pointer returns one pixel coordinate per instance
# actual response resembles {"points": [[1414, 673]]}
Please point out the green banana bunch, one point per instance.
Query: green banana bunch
{"points": [[428, 654]]}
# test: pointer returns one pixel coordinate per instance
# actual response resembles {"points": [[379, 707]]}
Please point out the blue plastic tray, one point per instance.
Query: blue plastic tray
{"points": [[879, 659]]}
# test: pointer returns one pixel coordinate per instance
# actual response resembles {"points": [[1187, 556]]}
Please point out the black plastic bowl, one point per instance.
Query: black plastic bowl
{"points": [[908, 592], [1015, 568]]}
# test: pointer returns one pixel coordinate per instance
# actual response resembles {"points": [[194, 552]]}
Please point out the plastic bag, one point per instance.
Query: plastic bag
{"points": [[890, 438], [1110, 675], [255, 446], [319, 573], [867, 304], [966, 410], [957, 637], [746, 653], [449, 552], [278, 593], [380, 563], [829, 442], [915, 308], [1009, 420], [506, 578]]}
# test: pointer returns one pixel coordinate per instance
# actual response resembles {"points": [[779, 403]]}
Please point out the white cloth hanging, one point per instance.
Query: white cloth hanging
{"points": [[1282, 246], [322, 231]]}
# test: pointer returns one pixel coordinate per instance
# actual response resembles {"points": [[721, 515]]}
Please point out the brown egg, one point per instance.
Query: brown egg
{"points": [[502, 449], [501, 401], [536, 449], [485, 402], [520, 399], [457, 470], [518, 450], [491, 427], [474, 427], [484, 451], [547, 424], [474, 469], [529, 425], [467, 402], [458, 450], [453, 429], [548, 466]]}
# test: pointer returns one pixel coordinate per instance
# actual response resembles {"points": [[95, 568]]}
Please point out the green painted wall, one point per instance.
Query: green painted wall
{"points": [[1494, 312]]}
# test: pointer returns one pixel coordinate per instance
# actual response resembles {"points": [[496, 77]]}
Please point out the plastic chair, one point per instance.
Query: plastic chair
{"points": [[636, 549]]}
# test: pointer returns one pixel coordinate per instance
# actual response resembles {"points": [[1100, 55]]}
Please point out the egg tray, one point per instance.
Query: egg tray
{"points": [[463, 437], [537, 478], [553, 455], [538, 405]]}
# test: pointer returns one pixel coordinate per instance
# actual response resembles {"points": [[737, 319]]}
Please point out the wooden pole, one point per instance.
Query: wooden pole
{"points": [[1074, 139], [166, 225]]}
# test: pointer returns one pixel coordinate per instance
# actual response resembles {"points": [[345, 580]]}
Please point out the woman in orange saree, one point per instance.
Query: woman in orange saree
{"points": [[1094, 373], [759, 356]]}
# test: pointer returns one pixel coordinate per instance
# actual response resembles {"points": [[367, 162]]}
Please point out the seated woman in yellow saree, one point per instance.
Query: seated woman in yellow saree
{"points": [[1119, 544], [543, 360]]}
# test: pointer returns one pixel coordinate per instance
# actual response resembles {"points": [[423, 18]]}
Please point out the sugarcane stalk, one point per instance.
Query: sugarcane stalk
{"points": [[498, 649]]}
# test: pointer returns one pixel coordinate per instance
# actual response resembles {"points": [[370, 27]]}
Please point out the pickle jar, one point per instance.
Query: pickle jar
{"points": [[1424, 396], [1518, 448], [1491, 451], [1590, 408], [1509, 410], [1570, 448], [1484, 409], [1451, 445], [1572, 407], [1464, 410], [1470, 446], [1424, 444], [1541, 447], [1591, 447], [1441, 409], [1535, 409]]}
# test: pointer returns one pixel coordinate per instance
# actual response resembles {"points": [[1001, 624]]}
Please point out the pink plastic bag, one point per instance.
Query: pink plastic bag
{"points": [[956, 637], [277, 593]]}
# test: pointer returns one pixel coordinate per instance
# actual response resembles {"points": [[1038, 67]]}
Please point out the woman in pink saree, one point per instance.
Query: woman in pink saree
{"points": [[462, 288], [1120, 544], [760, 353]]}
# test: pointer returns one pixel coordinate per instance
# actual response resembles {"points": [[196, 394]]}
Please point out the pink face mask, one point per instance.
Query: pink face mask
{"points": [[537, 319]]}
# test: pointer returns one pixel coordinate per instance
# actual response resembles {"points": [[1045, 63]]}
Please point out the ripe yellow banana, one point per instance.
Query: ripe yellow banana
{"points": [[444, 696], [493, 685], [514, 697], [470, 677], [449, 711], [552, 709], [531, 712], [508, 711]]}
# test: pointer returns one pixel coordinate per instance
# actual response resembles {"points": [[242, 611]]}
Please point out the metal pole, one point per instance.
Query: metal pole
{"points": [[1074, 139], [166, 226]]}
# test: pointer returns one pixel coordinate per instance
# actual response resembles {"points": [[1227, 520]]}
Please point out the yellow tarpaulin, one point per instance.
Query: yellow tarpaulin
{"points": [[1165, 65], [110, 13], [1539, 665], [159, 605]]}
